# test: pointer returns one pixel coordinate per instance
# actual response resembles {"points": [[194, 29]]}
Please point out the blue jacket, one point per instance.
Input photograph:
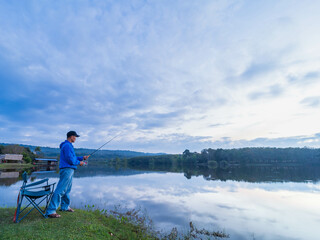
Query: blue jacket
{"points": [[68, 158]]}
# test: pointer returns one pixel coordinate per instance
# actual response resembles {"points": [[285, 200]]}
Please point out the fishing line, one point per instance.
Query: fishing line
{"points": [[86, 163]]}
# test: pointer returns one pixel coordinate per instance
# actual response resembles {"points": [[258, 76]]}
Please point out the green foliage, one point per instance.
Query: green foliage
{"points": [[13, 149], [186, 153], [26, 157], [37, 149]]}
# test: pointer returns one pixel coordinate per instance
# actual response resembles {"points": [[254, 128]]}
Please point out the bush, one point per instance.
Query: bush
{"points": [[27, 158]]}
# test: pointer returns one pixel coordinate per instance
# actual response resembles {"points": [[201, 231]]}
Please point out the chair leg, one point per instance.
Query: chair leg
{"points": [[49, 199], [18, 208], [35, 206], [21, 211], [26, 214]]}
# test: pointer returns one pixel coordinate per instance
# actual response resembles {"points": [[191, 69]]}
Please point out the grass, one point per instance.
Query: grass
{"points": [[82, 224], [93, 224], [15, 165]]}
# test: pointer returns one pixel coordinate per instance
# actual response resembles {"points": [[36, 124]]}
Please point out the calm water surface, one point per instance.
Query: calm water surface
{"points": [[245, 210]]}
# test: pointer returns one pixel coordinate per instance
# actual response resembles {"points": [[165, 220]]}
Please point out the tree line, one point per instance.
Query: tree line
{"points": [[223, 158], [262, 155]]}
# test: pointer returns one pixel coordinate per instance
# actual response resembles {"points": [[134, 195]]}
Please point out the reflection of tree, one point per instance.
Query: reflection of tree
{"points": [[246, 164], [188, 175], [7, 180]]}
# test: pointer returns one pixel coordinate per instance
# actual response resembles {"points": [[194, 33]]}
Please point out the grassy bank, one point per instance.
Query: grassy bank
{"points": [[93, 224], [15, 165], [81, 224]]}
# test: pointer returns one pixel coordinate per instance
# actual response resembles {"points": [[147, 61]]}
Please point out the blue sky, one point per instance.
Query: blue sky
{"points": [[168, 75]]}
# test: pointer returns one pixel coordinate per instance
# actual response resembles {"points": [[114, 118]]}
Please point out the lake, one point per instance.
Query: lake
{"points": [[254, 208]]}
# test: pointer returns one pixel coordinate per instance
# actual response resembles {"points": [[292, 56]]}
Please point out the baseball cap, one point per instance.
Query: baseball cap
{"points": [[72, 133]]}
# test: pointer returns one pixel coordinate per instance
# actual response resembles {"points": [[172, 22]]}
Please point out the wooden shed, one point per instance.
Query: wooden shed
{"points": [[11, 158], [46, 161]]}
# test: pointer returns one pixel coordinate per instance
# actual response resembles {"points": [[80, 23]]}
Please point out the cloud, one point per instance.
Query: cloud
{"points": [[312, 75], [272, 91], [294, 141], [311, 101], [257, 69], [305, 78]]}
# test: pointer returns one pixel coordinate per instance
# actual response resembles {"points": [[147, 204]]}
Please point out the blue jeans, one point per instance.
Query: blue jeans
{"points": [[62, 192]]}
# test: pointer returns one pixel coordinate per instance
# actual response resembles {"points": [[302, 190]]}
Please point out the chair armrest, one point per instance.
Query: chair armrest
{"points": [[48, 187], [44, 186], [36, 183]]}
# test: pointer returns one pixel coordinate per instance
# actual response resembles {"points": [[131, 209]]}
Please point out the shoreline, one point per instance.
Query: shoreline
{"points": [[15, 165]]}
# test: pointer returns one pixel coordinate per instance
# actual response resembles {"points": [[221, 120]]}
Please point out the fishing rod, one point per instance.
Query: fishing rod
{"points": [[86, 163], [103, 145]]}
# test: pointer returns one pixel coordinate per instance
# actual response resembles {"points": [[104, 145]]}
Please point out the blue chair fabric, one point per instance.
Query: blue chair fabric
{"points": [[35, 193]]}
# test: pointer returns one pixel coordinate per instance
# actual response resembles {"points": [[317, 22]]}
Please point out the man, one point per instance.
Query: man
{"points": [[68, 163]]}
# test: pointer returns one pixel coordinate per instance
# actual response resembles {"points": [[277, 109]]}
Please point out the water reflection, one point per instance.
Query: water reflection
{"points": [[263, 210], [13, 174], [9, 177], [249, 173]]}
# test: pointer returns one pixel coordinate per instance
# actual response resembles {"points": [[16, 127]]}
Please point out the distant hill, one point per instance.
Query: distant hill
{"points": [[99, 155]]}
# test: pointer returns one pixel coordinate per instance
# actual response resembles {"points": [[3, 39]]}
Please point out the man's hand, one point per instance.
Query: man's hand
{"points": [[81, 163], [85, 157]]}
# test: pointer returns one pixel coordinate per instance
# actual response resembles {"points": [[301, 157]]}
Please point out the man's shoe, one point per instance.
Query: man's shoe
{"points": [[54, 215], [69, 210]]}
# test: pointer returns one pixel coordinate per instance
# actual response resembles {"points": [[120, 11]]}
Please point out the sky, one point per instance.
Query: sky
{"points": [[165, 75]]}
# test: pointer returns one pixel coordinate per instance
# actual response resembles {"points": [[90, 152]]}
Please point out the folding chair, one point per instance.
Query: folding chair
{"points": [[33, 192]]}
